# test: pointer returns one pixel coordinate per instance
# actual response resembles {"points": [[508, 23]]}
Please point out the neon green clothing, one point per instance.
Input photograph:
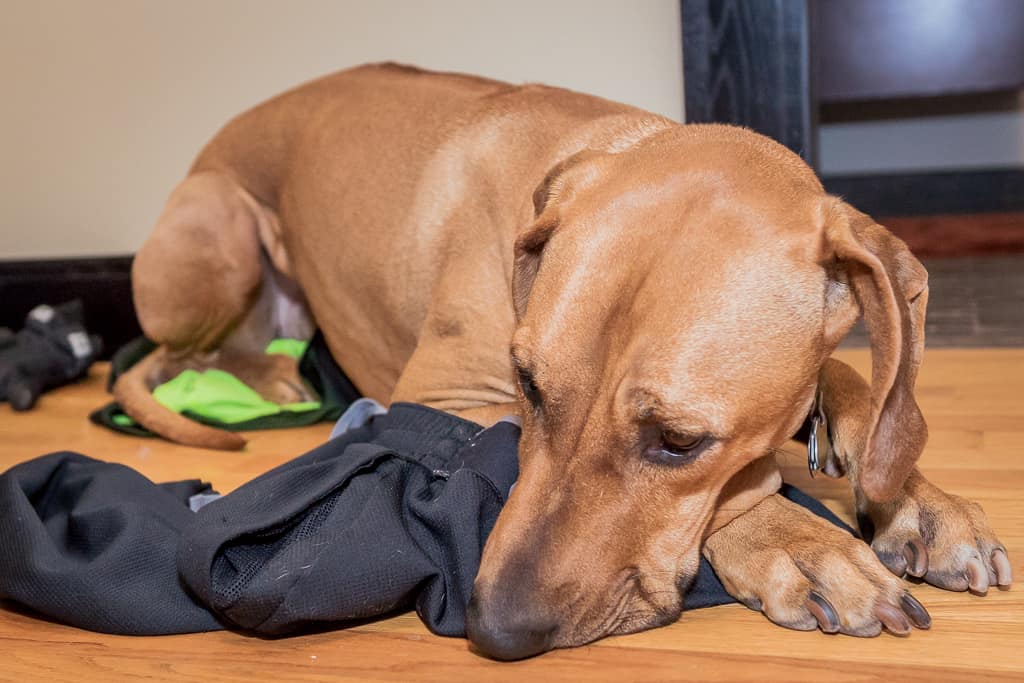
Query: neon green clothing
{"points": [[220, 396]]}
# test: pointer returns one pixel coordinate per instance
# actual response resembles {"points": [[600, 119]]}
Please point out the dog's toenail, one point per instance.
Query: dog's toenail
{"points": [[894, 621], [977, 576], [894, 562], [916, 611], [1001, 564], [917, 557], [823, 612]]}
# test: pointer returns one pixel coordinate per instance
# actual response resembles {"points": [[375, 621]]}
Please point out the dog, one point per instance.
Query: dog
{"points": [[657, 303]]}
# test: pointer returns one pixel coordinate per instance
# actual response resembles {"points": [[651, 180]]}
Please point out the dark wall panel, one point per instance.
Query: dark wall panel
{"points": [[918, 194]]}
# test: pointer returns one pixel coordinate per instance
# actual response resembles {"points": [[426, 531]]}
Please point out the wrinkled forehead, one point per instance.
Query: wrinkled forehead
{"points": [[747, 329], [652, 242], [710, 299]]}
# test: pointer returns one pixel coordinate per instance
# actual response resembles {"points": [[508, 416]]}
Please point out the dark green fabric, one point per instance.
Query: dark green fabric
{"points": [[317, 367]]}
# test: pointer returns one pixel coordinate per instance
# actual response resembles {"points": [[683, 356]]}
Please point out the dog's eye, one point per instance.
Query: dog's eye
{"points": [[678, 449], [529, 386]]}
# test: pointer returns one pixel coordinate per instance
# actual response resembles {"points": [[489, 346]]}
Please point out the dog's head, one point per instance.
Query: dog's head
{"points": [[674, 304]]}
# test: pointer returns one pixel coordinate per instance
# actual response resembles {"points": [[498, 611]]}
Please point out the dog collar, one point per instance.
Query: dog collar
{"points": [[819, 445]]}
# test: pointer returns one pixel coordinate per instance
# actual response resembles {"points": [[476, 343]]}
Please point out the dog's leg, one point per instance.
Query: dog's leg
{"points": [[202, 291], [461, 363], [803, 572], [923, 531], [487, 416], [800, 570], [774, 556], [748, 487]]}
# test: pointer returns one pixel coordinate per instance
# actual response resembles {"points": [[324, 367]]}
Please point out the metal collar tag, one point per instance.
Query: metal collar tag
{"points": [[819, 447]]}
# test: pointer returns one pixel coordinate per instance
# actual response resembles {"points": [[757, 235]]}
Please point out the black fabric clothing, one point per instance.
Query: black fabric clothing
{"points": [[316, 366], [93, 544], [385, 517], [394, 515], [388, 516]]}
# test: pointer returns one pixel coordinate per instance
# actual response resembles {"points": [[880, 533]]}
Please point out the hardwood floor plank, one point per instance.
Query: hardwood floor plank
{"points": [[971, 398]]}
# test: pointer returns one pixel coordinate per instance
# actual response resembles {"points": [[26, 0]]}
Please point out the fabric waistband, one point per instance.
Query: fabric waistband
{"points": [[447, 443], [427, 421]]}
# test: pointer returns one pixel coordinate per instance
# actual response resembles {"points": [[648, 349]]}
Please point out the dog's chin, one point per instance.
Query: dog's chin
{"points": [[635, 615], [634, 622], [646, 622]]}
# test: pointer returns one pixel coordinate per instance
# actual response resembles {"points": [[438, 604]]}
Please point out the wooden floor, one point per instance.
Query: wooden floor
{"points": [[974, 402]]}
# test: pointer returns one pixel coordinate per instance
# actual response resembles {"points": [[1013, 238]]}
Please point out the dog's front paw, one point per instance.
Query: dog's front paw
{"points": [[942, 538], [804, 573]]}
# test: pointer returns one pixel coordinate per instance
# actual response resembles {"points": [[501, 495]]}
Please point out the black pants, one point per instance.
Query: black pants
{"points": [[388, 516]]}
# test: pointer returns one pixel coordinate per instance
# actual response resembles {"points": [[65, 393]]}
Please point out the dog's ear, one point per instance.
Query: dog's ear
{"points": [[553, 193], [529, 246], [890, 287]]}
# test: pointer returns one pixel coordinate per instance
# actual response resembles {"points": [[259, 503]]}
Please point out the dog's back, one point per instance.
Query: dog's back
{"points": [[383, 202], [381, 176]]}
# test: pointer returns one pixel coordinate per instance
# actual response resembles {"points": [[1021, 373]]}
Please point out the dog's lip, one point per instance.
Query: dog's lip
{"points": [[607, 625], [653, 619], [631, 590], [612, 622], [639, 618]]}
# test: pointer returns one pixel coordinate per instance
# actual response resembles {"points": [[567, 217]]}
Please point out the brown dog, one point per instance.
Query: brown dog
{"points": [[658, 303]]}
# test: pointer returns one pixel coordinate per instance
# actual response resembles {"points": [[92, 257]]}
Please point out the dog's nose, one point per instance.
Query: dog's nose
{"points": [[507, 637]]}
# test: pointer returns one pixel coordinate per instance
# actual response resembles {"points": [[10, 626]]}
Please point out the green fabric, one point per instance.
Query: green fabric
{"points": [[113, 417], [287, 347], [316, 367], [220, 396], [122, 419]]}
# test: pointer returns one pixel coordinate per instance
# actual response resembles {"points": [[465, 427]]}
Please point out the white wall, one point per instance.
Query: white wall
{"points": [[105, 102]]}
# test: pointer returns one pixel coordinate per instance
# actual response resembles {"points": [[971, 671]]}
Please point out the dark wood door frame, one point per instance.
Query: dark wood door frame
{"points": [[748, 63]]}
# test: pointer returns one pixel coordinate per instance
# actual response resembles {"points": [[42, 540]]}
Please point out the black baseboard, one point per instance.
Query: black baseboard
{"points": [[928, 194], [103, 285]]}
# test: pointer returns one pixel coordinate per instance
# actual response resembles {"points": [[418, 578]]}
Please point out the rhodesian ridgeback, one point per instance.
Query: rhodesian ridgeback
{"points": [[657, 302]]}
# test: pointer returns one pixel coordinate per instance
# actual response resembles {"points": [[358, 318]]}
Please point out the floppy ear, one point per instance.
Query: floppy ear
{"points": [[891, 288], [549, 198], [529, 246]]}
